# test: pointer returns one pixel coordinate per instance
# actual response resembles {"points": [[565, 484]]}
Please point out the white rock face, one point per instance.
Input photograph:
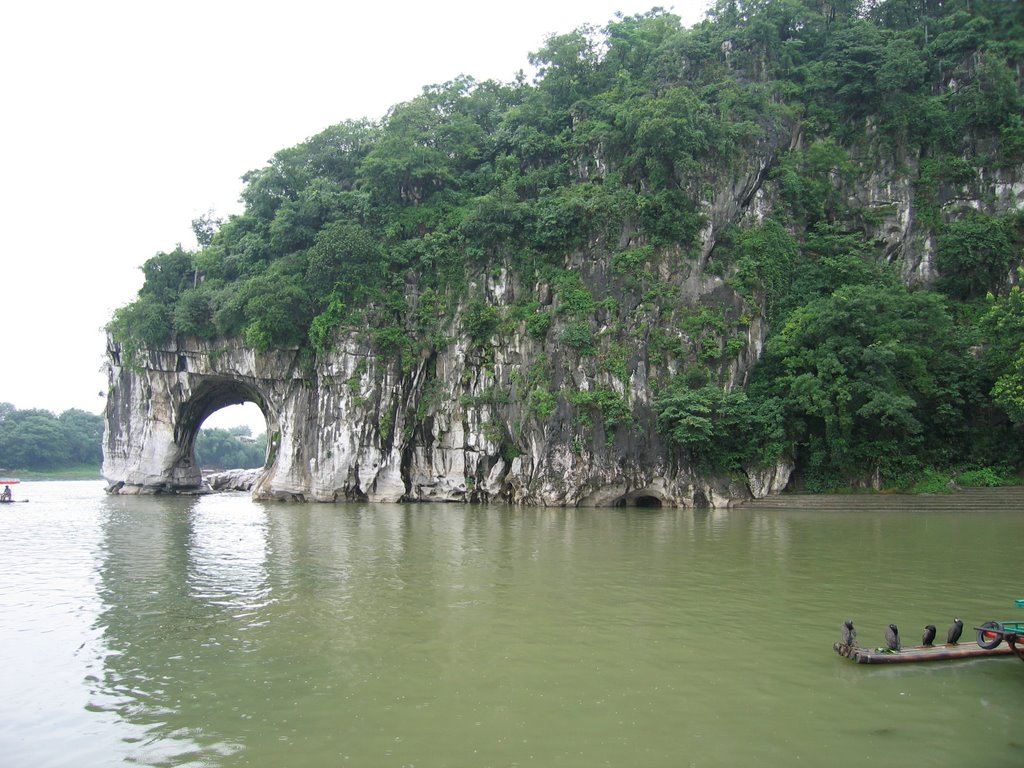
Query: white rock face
{"points": [[357, 428], [767, 481], [234, 479]]}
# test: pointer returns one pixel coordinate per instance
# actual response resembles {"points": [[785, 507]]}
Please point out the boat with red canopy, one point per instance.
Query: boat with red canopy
{"points": [[6, 497]]}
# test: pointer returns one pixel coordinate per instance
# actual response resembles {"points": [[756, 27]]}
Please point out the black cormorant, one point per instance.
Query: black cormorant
{"points": [[892, 638], [955, 630], [929, 635], [849, 633]]}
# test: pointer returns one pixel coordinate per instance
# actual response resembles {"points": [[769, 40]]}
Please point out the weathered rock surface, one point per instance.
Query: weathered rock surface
{"points": [[361, 430], [460, 421], [455, 424], [234, 479]]}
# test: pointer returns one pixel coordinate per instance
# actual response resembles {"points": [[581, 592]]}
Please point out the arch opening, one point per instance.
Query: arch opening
{"points": [[232, 417], [209, 398]]}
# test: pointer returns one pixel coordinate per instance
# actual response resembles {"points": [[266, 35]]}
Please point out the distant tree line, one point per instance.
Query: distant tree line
{"points": [[231, 448], [36, 439]]}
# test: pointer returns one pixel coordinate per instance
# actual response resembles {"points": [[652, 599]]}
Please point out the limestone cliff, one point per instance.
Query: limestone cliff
{"points": [[557, 412], [558, 292], [455, 426]]}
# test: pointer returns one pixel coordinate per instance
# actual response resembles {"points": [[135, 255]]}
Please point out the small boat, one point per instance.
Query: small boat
{"points": [[992, 633], [963, 650], [6, 497]]}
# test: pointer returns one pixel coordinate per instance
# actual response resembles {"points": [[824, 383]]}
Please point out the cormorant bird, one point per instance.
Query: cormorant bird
{"points": [[955, 630], [849, 633], [892, 638], [929, 635]]}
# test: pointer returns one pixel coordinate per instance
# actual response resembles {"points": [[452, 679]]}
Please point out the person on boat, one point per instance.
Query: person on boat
{"points": [[6, 495]]}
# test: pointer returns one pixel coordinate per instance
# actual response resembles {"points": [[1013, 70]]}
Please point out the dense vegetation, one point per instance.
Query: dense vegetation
{"points": [[35, 439], [232, 448], [870, 369]]}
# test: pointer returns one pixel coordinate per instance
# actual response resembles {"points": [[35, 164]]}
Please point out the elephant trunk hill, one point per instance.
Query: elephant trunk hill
{"points": [[681, 267]]}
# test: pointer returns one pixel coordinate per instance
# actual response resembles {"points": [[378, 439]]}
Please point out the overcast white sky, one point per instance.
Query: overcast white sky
{"points": [[124, 120]]}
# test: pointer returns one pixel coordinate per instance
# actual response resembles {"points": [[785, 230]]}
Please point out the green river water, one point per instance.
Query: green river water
{"points": [[217, 631]]}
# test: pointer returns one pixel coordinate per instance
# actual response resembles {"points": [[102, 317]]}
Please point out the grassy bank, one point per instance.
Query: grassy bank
{"points": [[87, 472]]}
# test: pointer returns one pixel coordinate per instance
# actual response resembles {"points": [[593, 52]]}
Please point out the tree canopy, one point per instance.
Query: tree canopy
{"points": [[36, 439], [232, 448]]}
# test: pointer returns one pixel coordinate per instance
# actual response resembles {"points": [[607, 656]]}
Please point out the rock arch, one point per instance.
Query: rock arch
{"points": [[358, 424], [157, 402], [210, 396]]}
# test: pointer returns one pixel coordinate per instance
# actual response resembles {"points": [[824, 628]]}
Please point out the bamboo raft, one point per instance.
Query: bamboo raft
{"points": [[964, 650]]}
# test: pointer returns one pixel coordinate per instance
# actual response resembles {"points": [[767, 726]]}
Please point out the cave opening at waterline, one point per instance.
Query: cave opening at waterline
{"points": [[642, 501], [649, 502]]}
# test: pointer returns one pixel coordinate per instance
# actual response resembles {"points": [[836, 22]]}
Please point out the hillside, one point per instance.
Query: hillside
{"points": [[779, 247]]}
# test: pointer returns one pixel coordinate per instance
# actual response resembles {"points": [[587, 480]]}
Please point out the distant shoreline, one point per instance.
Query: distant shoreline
{"points": [[67, 473]]}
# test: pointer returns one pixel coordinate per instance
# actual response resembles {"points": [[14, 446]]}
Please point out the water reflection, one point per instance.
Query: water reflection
{"points": [[160, 621], [237, 633], [227, 561]]}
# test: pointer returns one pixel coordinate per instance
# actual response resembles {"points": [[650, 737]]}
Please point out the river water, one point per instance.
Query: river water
{"points": [[218, 631]]}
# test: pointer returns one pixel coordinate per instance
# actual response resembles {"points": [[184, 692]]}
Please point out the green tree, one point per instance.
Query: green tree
{"points": [[974, 256], [84, 435], [167, 275], [345, 260], [480, 321], [146, 322], [720, 430], [768, 257], [1004, 352], [194, 311], [205, 227], [33, 440], [425, 145], [36, 439], [231, 448], [567, 67], [860, 375], [278, 315]]}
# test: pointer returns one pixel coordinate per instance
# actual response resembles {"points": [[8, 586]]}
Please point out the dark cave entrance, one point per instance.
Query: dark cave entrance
{"points": [[639, 500], [647, 502]]}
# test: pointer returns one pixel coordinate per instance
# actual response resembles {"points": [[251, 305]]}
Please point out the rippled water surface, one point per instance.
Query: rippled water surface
{"points": [[217, 631]]}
